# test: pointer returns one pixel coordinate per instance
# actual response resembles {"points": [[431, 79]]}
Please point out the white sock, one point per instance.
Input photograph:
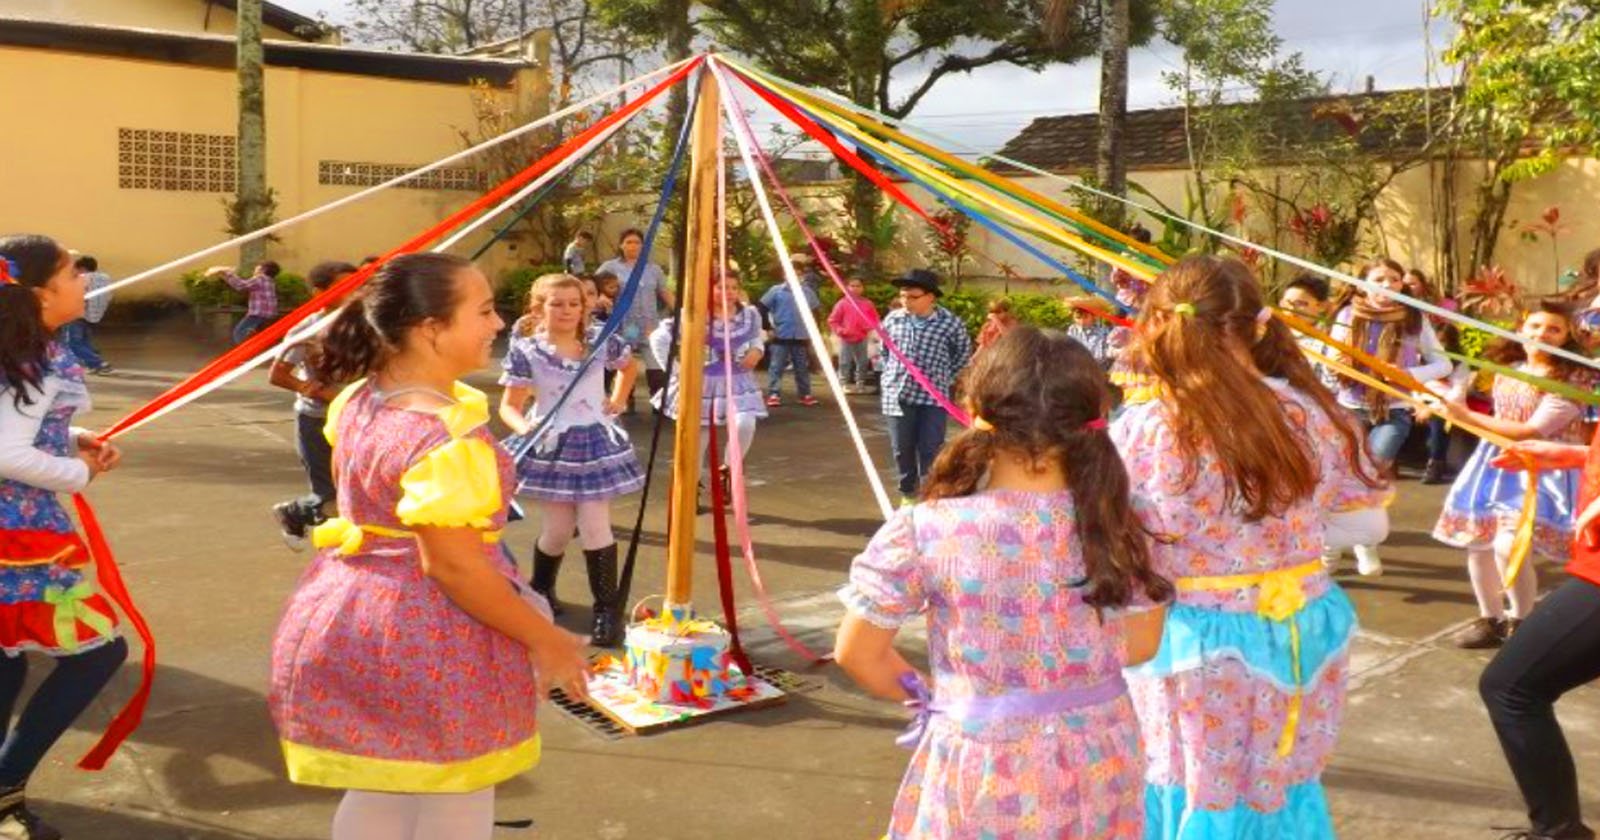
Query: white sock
{"points": [[1486, 582], [455, 816], [367, 815]]}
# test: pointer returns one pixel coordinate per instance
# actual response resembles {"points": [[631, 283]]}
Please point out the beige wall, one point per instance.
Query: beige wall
{"points": [[63, 181], [165, 15]]}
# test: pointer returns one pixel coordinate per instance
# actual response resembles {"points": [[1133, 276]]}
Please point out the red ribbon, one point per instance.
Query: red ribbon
{"points": [[272, 333], [719, 530], [110, 578]]}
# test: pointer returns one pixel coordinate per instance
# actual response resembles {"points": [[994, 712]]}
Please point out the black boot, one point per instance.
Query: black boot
{"points": [[607, 629], [17, 822], [1434, 472], [545, 569], [655, 380]]}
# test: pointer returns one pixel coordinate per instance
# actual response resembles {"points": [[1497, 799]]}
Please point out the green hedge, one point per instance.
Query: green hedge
{"points": [[511, 294], [211, 292]]}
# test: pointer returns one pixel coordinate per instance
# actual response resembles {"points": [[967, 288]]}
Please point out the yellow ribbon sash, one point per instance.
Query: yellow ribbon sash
{"points": [[70, 609], [347, 536], [1280, 599]]}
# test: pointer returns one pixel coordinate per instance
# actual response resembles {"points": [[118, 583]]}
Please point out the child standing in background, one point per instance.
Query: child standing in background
{"points": [[852, 321]]}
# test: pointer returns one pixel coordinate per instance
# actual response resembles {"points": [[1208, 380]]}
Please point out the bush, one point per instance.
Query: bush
{"points": [[511, 294], [204, 292], [1041, 310]]}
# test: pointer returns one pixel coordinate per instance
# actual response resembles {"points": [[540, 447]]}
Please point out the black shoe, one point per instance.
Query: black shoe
{"points": [[291, 526], [1435, 472], [607, 628], [545, 569], [1483, 634], [19, 823]]}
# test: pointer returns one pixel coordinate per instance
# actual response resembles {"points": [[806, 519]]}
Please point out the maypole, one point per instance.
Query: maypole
{"points": [[693, 312]]}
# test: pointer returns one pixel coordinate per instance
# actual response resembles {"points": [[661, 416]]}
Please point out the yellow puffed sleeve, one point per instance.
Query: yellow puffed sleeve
{"points": [[470, 410], [455, 485], [336, 408]]}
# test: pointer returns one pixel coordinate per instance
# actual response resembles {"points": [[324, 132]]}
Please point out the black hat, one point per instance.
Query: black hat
{"points": [[919, 278]]}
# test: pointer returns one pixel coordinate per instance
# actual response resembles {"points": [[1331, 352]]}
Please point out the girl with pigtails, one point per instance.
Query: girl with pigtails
{"points": [[401, 667], [1030, 558], [1248, 464]]}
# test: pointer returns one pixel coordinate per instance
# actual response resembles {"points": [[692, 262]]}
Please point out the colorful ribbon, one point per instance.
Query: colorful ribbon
{"points": [[70, 609], [111, 583]]}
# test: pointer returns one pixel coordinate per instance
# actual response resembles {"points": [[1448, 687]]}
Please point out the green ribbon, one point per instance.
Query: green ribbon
{"points": [[70, 609], [1543, 383]]}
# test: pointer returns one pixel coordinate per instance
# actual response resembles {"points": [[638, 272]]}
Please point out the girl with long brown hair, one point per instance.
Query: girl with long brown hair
{"points": [[1248, 465], [1397, 334], [1484, 504], [1026, 546]]}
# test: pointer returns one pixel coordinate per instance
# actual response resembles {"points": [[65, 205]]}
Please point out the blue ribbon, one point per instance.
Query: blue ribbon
{"points": [[972, 213], [630, 290]]}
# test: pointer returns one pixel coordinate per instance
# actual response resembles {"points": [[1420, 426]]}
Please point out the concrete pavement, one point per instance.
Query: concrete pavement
{"points": [[188, 517]]}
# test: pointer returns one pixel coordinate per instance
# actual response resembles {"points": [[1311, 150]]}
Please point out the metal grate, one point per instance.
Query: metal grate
{"points": [[789, 681]]}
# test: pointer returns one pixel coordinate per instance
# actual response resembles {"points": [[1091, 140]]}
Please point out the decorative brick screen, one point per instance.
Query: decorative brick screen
{"points": [[176, 160], [349, 173]]}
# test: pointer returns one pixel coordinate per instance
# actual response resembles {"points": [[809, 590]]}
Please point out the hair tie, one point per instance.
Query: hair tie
{"points": [[982, 425], [1184, 309], [9, 273], [1096, 425]]}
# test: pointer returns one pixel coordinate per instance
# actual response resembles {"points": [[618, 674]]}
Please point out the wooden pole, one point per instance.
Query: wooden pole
{"points": [[693, 313]]}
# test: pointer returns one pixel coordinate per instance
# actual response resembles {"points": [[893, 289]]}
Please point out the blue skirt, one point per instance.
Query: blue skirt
{"points": [[585, 464], [1485, 500]]}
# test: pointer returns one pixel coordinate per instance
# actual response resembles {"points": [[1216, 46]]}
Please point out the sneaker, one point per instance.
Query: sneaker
{"points": [[1482, 634], [1368, 563], [809, 400], [19, 823], [1330, 559], [104, 370], [1435, 472], [290, 527], [773, 401]]}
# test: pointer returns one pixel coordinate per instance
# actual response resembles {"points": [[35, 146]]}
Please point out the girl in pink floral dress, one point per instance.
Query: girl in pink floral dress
{"points": [[401, 670], [1025, 547], [1248, 464]]}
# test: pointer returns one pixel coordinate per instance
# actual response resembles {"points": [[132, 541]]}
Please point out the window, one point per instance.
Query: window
{"points": [[176, 160], [347, 173]]}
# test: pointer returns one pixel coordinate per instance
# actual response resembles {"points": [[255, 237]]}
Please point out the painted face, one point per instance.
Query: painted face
{"points": [[1545, 327], [631, 245], [1301, 302], [61, 298], [918, 301], [465, 343], [563, 310]]}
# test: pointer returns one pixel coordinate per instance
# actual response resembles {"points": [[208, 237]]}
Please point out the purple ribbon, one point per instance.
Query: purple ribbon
{"points": [[1014, 704]]}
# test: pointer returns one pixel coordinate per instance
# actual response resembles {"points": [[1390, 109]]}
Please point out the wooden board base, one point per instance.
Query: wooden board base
{"points": [[637, 714]]}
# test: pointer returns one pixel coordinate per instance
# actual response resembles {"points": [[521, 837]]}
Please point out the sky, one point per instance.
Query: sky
{"points": [[1347, 40]]}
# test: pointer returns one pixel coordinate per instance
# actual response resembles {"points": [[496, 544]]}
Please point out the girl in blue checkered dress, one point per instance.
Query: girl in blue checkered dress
{"points": [[581, 458]]}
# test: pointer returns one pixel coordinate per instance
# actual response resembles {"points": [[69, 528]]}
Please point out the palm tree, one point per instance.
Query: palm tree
{"points": [[252, 198]]}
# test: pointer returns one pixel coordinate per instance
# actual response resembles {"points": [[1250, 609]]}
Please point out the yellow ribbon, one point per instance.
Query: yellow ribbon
{"points": [[347, 536], [1280, 598], [70, 609]]}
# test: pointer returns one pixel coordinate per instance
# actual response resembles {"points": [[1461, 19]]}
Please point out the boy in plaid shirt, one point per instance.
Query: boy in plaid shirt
{"points": [[262, 287], [936, 341]]}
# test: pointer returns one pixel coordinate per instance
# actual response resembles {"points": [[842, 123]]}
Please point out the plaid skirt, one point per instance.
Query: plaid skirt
{"points": [[585, 464]]}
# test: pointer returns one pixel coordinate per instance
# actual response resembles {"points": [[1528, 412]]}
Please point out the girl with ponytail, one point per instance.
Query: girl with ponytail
{"points": [[410, 629], [42, 558], [1034, 567], [1248, 465]]}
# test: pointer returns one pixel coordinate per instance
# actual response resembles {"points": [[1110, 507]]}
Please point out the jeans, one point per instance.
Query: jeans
{"points": [[916, 437], [854, 365], [59, 699], [1556, 649], [783, 355], [1438, 439], [316, 455], [76, 337], [1387, 437], [248, 325]]}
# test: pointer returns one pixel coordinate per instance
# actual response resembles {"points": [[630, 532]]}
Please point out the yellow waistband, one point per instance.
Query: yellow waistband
{"points": [[348, 536]]}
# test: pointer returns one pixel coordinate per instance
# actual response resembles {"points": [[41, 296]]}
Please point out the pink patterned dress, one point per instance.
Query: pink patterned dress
{"points": [[379, 681], [1000, 577], [1258, 631]]}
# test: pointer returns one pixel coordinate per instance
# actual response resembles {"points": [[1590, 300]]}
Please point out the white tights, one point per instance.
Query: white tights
{"points": [[1486, 565], [592, 519], [744, 425], [367, 815]]}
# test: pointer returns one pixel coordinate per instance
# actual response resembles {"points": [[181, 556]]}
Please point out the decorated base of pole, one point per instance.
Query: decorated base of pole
{"points": [[675, 670]]}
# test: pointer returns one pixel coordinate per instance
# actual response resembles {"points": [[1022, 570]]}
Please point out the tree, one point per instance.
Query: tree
{"points": [[252, 205], [1530, 72], [860, 49], [1112, 164]]}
